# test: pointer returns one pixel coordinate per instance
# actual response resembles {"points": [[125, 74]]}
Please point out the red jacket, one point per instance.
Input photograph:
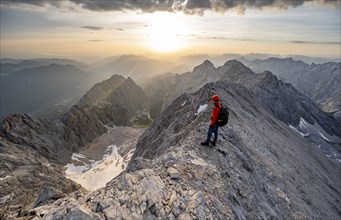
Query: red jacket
{"points": [[215, 113]]}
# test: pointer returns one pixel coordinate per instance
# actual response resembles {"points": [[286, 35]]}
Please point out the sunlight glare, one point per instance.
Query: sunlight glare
{"points": [[165, 32]]}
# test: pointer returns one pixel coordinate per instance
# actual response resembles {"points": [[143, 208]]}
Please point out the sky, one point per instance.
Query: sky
{"points": [[102, 28]]}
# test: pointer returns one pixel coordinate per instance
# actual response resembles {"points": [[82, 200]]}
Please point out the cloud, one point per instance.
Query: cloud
{"points": [[96, 40], [119, 29], [93, 28], [40, 3], [17, 2], [222, 38], [186, 6], [314, 42]]}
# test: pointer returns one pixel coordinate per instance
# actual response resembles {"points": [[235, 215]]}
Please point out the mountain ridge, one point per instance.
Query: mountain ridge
{"points": [[320, 82], [171, 175], [279, 98], [50, 143], [259, 168]]}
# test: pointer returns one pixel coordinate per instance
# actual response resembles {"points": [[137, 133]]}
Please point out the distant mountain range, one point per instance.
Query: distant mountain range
{"points": [[305, 77], [219, 60], [138, 68], [45, 91], [8, 65], [47, 88], [318, 78]]}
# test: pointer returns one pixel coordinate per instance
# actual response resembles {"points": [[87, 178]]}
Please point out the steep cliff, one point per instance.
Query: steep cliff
{"points": [[281, 99], [33, 151], [320, 82]]}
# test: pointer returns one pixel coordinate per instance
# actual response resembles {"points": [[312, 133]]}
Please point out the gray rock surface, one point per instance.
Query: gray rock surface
{"points": [[260, 169], [113, 101], [163, 90], [279, 98], [33, 151], [23, 175], [48, 194], [320, 82], [173, 173]]}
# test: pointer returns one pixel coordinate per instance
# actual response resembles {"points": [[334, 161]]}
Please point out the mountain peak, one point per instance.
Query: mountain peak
{"points": [[268, 75], [234, 69], [233, 62], [206, 65]]}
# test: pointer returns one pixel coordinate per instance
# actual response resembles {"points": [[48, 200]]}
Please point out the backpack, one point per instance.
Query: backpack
{"points": [[223, 116]]}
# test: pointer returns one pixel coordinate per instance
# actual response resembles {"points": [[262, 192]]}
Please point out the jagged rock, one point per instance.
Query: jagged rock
{"points": [[269, 171], [173, 173], [49, 194], [79, 213], [243, 124], [320, 82], [33, 151], [277, 97], [115, 100]]}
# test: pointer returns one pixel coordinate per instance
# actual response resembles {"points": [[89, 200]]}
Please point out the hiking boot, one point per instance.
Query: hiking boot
{"points": [[213, 143], [204, 143]]}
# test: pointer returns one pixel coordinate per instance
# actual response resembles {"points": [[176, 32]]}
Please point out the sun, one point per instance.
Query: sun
{"points": [[165, 33]]}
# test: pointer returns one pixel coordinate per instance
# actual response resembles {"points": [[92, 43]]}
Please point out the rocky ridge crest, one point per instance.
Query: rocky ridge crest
{"points": [[260, 168]]}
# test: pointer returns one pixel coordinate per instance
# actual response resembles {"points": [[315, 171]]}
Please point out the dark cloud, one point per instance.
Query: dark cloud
{"points": [[194, 4], [119, 5], [93, 28], [119, 29], [187, 6], [314, 42], [17, 2], [39, 3]]}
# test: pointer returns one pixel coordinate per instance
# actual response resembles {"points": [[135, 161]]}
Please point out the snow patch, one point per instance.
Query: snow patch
{"points": [[323, 136], [182, 105], [96, 174], [201, 108], [292, 127], [5, 177], [76, 156], [304, 128], [303, 123], [315, 131]]}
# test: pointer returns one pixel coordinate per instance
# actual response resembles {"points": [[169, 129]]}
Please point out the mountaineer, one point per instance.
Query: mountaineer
{"points": [[213, 125]]}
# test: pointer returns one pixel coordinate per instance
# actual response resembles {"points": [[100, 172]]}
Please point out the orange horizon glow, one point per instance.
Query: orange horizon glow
{"points": [[165, 34]]}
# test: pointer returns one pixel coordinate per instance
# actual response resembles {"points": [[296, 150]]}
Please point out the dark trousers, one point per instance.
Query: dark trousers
{"points": [[214, 130]]}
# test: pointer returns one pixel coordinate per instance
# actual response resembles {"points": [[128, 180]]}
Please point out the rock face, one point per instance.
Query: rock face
{"points": [[281, 99], [113, 101], [163, 90], [320, 82], [260, 169], [33, 150], [24, 173]]}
